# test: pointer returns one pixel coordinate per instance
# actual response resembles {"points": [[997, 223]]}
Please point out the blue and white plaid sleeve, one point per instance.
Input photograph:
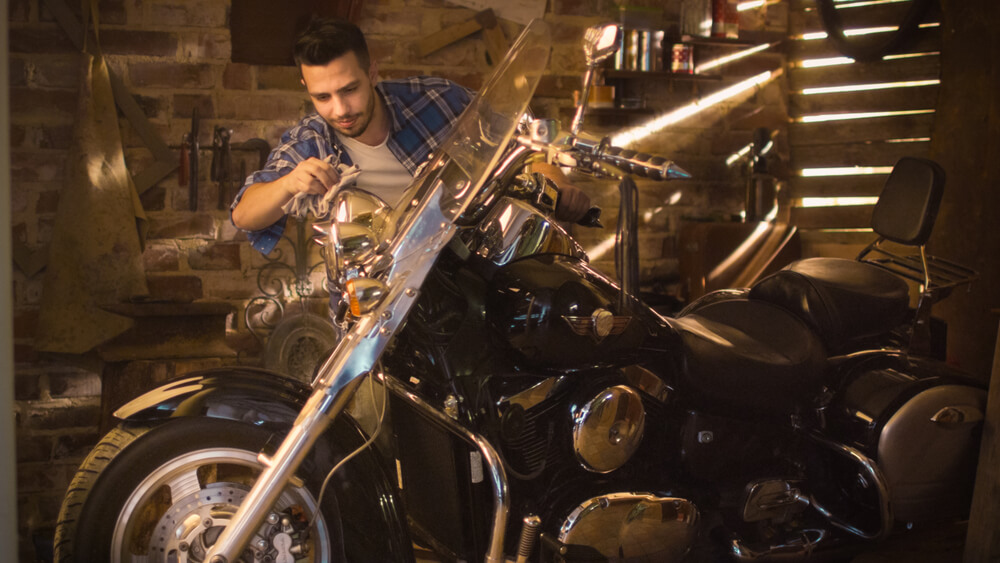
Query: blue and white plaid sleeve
{"points": [[423, 110], [303, 141]]}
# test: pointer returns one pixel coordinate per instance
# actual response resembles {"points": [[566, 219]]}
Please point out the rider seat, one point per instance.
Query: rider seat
{"points": [[749, 357], [845, 300], [840, 299]]}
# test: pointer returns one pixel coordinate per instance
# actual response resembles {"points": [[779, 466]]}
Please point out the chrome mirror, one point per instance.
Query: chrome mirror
{"points": [[599, 43]]}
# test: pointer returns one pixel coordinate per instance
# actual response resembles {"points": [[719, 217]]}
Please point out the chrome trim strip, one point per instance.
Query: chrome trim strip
{"points": [[532, 395], [809, 542], [498, 477]]}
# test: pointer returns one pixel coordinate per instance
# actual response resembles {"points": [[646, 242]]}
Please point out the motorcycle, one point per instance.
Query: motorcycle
{"points": [[530, 408]]}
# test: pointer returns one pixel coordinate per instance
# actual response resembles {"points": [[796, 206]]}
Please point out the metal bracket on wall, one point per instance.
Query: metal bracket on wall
{"points": [[31, 262]]}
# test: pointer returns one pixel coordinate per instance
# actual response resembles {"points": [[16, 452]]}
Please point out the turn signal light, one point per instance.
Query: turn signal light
{"points": [[364, 294]]}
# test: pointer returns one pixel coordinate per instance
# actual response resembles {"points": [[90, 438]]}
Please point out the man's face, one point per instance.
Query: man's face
{"points": [[343, 93]]}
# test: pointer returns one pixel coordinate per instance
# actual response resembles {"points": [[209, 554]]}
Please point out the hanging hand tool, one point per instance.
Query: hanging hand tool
{"points": [[222, 163], [193, 162], [183, 173], [262, 148], [259, 145]]}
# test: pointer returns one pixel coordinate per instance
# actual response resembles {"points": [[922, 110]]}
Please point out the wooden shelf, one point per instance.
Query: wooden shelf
{"points": [[746, 39], [619, 111], [663, 74]]}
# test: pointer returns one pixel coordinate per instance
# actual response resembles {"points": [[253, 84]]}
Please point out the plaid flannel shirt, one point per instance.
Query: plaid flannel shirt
{"points": [[422, 110]]}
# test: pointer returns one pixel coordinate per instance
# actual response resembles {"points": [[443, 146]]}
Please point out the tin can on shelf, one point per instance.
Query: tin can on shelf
{"points": [[682, 58]]}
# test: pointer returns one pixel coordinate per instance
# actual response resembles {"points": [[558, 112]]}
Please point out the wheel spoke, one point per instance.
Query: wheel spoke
{"points": [[183, 484]]}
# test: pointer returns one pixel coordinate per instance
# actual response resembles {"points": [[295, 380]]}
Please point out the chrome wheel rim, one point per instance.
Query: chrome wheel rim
{"points": [[178, 510]]}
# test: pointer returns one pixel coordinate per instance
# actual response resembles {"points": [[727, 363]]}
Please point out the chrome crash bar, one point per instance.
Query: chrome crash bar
{"points": [[491, 461]]}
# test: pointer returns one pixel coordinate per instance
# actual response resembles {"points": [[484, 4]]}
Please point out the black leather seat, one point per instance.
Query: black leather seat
{"points": [[847, 300], [746, 356], [842, 300]]}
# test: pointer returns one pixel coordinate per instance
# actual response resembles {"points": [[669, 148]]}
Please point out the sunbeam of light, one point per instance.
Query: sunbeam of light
{"points": [[658, 123]]}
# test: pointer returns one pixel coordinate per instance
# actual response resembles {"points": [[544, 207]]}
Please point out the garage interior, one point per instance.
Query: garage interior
{"points": [[203, 90]]}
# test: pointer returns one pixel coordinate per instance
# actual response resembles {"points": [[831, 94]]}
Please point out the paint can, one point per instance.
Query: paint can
{"points": [[682, 58]]}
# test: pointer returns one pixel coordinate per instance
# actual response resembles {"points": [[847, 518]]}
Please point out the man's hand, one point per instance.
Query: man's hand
{"points": [[261, 204], [311, 176], [573, 203]]}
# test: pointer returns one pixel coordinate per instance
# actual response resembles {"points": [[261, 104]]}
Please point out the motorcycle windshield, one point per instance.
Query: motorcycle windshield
{"points": [[478, 139], [424, 223]]}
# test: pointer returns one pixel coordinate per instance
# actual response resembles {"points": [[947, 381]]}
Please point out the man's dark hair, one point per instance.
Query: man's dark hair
{"points": [[325, 39]]}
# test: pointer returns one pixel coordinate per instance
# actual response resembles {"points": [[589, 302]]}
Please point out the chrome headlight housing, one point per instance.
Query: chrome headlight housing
{"points": [[351, 241]]}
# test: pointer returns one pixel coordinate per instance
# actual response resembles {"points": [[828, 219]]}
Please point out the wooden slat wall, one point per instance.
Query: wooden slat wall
{"points": [[868, 142]]}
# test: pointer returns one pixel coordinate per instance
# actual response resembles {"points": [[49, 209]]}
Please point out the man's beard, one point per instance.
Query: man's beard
{"points": [[364, 119]]}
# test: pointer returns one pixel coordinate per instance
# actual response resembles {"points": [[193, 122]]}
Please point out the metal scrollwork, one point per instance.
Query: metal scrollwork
{"points": [[294, 338]]}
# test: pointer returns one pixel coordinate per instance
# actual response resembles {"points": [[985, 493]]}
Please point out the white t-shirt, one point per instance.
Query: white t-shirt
{"points": [[381, 173]]}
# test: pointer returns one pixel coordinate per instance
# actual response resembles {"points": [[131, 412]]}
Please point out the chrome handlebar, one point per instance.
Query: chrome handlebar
{"points": [[599, 157]]}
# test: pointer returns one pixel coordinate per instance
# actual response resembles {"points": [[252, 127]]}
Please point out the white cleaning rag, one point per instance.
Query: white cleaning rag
{"points": [[319, 204]]}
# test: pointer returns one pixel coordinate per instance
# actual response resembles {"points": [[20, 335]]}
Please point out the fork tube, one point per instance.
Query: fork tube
{"points": [[319, 411]]}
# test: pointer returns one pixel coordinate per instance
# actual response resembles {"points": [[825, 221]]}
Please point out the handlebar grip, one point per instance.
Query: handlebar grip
{"points": [[643, 164]]}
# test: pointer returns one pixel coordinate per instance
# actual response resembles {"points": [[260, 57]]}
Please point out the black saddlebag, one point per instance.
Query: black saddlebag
{"points": [[923, 431]]}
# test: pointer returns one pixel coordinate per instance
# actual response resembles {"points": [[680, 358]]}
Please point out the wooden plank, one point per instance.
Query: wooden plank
{"points": [[897, 70], [862, 185], [924, 40], [860, 130], [843, 217], [807, 18], [153, 173], [447, 36], [496, 43], [873, 153], [983, 539], [889, 99]]}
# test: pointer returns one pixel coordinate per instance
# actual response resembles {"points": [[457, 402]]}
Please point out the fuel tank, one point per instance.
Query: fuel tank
{"points": [[555, 311]]}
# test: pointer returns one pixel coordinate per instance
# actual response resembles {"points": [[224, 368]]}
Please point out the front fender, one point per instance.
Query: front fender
{"points": [[272, 401], [254, 396]]}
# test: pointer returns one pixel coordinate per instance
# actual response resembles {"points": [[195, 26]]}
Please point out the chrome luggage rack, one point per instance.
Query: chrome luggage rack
{"points": [[936, 276], [932, 272]]}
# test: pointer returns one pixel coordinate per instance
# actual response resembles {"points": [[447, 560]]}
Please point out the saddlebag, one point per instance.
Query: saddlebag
{"points": [[923, 431]]}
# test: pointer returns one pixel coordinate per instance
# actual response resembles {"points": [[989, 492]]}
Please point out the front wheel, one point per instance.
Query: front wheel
{"points": [[166, 492]]}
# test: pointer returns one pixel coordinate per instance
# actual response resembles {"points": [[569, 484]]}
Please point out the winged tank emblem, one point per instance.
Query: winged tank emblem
{"points": [[598, 325]]}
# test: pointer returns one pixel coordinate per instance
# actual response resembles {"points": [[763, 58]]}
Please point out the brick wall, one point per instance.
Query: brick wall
{"points": [[174, 56]]}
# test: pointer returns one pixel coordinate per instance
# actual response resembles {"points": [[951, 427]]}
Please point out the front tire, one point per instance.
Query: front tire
{"points": [[165, 492]]}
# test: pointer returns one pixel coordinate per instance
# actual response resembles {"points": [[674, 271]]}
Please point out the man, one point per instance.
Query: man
{"points": [[385, 128]]}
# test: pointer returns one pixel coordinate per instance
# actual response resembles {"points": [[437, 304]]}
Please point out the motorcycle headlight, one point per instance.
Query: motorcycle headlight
{"points": [[355, 235]]}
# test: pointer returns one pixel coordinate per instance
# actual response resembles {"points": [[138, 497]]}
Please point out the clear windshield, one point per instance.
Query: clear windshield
{"points": [[479, 137]]}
